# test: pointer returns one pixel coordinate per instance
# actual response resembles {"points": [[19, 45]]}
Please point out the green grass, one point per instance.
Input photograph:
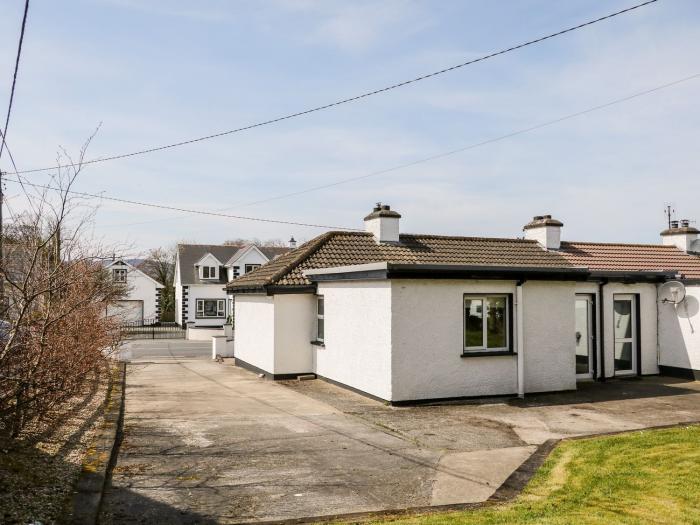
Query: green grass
{"points": [[643, 477]]}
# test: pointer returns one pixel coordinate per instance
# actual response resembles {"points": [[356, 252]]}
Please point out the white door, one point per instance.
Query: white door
{"points": [[127, 311], [585, 337], [625, 327]]}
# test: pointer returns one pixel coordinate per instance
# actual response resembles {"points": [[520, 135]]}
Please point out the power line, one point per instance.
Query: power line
{"points": [[174, 208], [350, 99], [14, 77], [452, 151]]}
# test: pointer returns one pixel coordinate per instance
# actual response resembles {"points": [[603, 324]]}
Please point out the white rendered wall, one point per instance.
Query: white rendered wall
{"points": [[427, 335], [384, 229], [358, 331], [140, 288], [679, 331], [549, 333], [204, 291], [648, 325], [255, 330], [295, 319]]}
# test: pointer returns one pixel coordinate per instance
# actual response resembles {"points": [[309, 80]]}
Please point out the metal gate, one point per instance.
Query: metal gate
{"points": [[152, 329]]}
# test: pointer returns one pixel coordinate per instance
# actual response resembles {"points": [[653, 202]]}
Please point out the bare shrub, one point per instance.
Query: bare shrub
{"points": [[55, 335]]}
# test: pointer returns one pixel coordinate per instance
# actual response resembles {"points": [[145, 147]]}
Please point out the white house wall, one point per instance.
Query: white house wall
{"points": [[679, 332], [141, 288], [255, 331], [549, 335], [204, 291], [648, 325], [358, 332], [427, 340], [295, 319]]}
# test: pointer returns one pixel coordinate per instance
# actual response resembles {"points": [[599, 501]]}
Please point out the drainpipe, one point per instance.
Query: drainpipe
{"points": [[601, 316], [519, 340]]}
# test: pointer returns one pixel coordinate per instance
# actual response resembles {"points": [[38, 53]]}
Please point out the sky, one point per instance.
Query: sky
{"points": [[159, 71]]}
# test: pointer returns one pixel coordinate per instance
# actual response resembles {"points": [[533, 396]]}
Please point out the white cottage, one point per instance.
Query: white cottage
{"points": [[141, 302], [407, 318], [201, 273]]}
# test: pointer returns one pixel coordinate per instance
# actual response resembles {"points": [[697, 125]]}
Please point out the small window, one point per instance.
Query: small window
{"points": [[211, 308], [319, 319], [208, 272], [119, 275], [251, 267], [486, 323]]}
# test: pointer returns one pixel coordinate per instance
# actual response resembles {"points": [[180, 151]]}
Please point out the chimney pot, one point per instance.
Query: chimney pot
{"points": [[538, 217], [685, 223], [292, 243], [674, 224]]}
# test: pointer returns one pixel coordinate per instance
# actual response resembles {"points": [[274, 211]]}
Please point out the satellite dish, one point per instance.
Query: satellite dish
{"points": [[672, 292]]}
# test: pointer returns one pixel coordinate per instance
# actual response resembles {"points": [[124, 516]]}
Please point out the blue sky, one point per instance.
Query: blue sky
{"points": [[159, 71]]}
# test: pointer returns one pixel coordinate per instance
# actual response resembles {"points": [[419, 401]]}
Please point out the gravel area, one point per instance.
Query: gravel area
{"points": [[39, 470]]}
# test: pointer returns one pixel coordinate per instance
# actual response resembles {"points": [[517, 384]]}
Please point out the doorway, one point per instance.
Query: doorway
{"points": [[585, 336], [625, 329]]}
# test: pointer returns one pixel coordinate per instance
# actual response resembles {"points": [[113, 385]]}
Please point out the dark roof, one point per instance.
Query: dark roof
{"points": [[189, 254], [616, 257], [349, 248]]}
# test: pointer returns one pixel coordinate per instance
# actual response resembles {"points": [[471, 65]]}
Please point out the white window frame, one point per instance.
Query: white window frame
{"points": [[220, 309], [211, 270], [119, 275], [251, 267], [484, 336], [320, 317]]}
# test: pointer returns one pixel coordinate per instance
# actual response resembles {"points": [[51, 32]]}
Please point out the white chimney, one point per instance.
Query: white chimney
{"points": [[292, 243], [544, 230], [383, 223], [681, 235]]}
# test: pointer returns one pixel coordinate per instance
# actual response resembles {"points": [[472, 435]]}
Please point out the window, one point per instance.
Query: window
{"points": [[319, 319], [211, 308], [119, 275], [208, 272], [486, 323], [251, 267]]}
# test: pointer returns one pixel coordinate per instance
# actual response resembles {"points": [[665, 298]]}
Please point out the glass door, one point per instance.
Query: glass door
{"points": [[625, 326], [585, 337]]}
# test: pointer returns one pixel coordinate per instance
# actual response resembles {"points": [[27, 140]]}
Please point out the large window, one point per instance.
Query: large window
{"points": [[119, 275], [486, 323], [319, 319], [208, 272], [251, 267], [211, 308]]}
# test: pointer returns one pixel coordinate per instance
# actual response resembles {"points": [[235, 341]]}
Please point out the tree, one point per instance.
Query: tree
{"points": [[160, 265], [270, 243], [55, 335]]}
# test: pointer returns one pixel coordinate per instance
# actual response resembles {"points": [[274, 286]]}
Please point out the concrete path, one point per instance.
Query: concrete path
{"points": [[210, 443]]}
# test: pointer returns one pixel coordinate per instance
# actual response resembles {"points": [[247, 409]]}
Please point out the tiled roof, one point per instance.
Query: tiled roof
{"points": [[349, 248], [631, 258]]}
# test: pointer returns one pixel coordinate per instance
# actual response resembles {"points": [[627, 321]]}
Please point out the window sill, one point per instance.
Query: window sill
{"points": [[487, 353], [318, 343]]}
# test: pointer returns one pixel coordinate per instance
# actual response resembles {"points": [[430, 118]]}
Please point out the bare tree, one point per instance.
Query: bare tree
{"points": [[270, 243], [56, 335], [160, 265]]}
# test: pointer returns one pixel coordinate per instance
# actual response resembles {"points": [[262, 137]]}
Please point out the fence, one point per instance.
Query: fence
{"points": [[152, 329]]}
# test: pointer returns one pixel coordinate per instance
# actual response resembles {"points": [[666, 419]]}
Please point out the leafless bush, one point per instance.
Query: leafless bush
{"points": [[55, 335]]}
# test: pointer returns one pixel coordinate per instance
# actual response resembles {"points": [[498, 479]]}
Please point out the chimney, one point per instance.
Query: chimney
{"points": [[383, 223], [292, 243], [544, 230], [681, 235]]}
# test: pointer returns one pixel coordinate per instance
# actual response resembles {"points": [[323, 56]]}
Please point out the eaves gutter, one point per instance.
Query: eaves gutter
{"points": [[383, 271], [640, 276]]}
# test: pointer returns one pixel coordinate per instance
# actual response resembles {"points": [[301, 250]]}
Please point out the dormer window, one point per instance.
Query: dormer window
{"points": [[119, 275], [209, 272]]}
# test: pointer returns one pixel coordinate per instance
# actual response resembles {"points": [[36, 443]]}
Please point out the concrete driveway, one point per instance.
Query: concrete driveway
{"points": [[210, 443]]}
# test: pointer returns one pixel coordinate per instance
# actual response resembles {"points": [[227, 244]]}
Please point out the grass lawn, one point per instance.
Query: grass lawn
{"points": [[643, 477]]}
